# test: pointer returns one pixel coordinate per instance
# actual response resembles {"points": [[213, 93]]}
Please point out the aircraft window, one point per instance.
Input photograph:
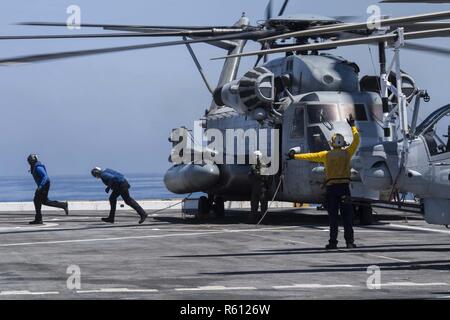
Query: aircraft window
{"points": [[298, 123], [431, 142], [358, 111], [377, 112], [320, 113], [316, 140], [448, 138], [437, 139]]}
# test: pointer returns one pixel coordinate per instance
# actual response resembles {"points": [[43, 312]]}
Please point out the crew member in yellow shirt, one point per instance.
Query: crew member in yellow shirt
{"points": [[337, 168]]}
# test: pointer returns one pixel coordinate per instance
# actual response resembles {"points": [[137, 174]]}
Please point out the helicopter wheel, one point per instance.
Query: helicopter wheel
{"points": [[365, 215], [203, 208], [219, 207]]}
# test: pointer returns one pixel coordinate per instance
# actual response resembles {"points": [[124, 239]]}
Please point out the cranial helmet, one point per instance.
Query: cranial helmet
{"points": [[257, 154], [96, 171], [338, 141], [32, 159]]}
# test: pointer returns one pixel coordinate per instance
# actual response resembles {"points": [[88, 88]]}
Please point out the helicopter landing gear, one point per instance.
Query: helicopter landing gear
{"points": [[206, 204], [219, 207], [204, 207], [365, 214]]}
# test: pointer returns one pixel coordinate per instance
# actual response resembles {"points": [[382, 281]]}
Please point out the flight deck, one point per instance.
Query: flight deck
{"points": [[172, 256]]}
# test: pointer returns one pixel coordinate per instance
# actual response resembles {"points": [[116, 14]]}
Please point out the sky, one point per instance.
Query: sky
{"points": [[117, 110]]}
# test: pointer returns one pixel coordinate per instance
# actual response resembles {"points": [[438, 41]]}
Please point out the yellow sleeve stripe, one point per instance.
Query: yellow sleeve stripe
{"points": [[313, 157]]}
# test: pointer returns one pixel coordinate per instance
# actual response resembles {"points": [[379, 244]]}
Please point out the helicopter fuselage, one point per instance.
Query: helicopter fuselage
{"points": [[324, 90]]}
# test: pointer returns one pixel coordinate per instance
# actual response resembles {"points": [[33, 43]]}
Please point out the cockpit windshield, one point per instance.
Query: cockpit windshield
{"points": [[435, 129], [437, 137], [320, 113], [358, 111], [432, 119]]}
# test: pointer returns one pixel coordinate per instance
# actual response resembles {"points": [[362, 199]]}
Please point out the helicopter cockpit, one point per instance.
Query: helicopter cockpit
{"points": [[325, 118], [435, 130]]}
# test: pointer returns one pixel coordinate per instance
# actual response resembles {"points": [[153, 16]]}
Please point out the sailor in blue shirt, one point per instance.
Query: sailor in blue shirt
{"points": [[116, 182], [39, 173]]}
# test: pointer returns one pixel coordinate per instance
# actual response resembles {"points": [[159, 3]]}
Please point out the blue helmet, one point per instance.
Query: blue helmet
{"points": [[96, 172]]}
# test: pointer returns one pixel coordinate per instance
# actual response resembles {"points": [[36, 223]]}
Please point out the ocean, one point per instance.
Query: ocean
{"points": [[83, 187]]}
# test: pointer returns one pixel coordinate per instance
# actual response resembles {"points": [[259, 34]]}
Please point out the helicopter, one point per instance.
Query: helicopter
{"points": [[301, 100]]}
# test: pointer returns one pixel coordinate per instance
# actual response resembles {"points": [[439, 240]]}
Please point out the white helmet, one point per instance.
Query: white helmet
{"points": [[257, 154], [338, 141]]}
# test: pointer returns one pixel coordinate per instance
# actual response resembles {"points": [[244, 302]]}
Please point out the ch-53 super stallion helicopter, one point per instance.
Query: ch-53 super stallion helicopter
{"points": [[307, 96]]}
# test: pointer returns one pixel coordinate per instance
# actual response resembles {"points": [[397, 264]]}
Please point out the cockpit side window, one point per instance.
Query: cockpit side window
{"points": [[298, 124], [376, 112], [437, 139], [431, 142], [316, 140], [358, 111], [319, 113]]}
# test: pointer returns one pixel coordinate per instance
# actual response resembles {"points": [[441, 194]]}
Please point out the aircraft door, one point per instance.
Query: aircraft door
{"points": [[295, 185], [434, 132], [437, 140], [321, 118]]}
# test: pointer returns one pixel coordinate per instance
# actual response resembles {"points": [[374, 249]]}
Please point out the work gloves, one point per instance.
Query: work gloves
{"points": [[351, 121], [292, 152]]}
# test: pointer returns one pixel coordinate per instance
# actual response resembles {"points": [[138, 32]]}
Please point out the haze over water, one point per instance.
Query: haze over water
{"points": [[82, 187]]}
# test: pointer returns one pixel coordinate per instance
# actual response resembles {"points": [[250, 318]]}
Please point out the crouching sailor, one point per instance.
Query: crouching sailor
{"points": [[116, 182]]}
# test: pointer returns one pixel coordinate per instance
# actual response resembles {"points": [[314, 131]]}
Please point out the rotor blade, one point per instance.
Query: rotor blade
{"points": [[262, 56], [426, 26], [95, 25], [348, 42], [364, 25], [79, 53], [427, 49], [415, 1], [283, 7], [346, 18], [117, 35], [268, 11], [315, 46], [182, 32]]}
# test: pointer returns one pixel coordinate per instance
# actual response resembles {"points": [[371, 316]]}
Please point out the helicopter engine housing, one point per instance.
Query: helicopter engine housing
{"points": [[252, 95]]}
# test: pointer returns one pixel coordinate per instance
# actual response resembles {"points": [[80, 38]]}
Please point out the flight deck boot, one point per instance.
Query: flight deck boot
{"points": [[66, 208], [331, 246], [109, 220], [143, 217], [36, 222], [37, 218]]}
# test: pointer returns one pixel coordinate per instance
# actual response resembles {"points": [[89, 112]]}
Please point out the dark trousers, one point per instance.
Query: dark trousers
{"points": [[41, 198], [334, 203], [259, 195], [123, 191]]}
